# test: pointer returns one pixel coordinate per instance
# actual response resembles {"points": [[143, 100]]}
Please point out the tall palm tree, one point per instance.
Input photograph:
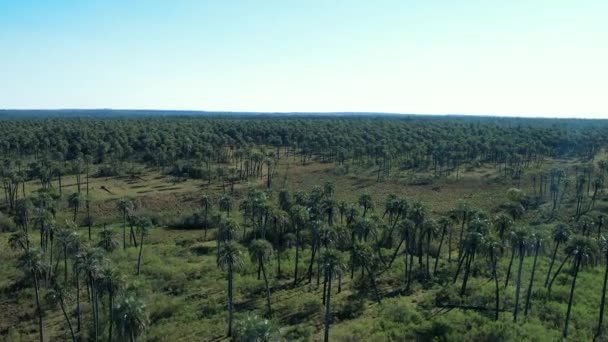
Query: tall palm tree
{"points": [[536, 240], [125, 206], [260, 252], [520, 239], [89, 263], [143, 226], [225, 204], [418, 214], [227, 230], [604, 250], [332, 264], [111, 283], [68, 239], [299, 218], [583, 251], [19, 240], [74, 201], [55, 296], [364, 259], [231, 260], [430, 231], [446, 227], [503, 224], [130, 317], [366, 202], [561, 233], [32, 262], [493, 248], [207, 204]]}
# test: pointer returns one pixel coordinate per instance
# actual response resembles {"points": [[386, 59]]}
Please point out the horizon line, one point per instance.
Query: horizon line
{"points": [[530, 116]]}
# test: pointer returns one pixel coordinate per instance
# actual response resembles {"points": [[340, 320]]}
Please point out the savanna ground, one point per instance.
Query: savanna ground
{"points": [[185, 291]]}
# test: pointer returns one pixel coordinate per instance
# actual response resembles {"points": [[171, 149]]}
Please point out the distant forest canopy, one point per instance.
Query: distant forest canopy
{"points": [[189, 144]]}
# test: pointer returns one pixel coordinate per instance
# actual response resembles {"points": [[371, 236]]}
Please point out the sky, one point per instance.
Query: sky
{"points": [[522, 58]]}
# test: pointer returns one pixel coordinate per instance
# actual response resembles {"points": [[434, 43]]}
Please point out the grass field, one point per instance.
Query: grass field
{"points": [[185, 291]]}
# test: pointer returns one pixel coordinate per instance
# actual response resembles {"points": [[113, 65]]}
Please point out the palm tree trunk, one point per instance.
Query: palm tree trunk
{"points": [[312, 260], [65, 264], [496, 289], [551, 264], [124, 231], [230, 299], [327, 308], [95, 309], [67, 318], [557, 272], [394, 256], [571, 296], [78, 301], [510, 265], [603, 301], [111, 320], [38, 308], [295, 275], [467, 270], [529, 294], [267, 290], [439, 250], [518, 284], [373, 278], [141, 247]]}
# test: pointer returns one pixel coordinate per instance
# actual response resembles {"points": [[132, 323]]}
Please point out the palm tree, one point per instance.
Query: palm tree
{"points": [[561, 233], [89, 263], [106, 240], [446, 227], [143, 225], [130, 317], [55, 296], [503, 224], [230, 260], [207, 204], [112, 283], [280, 220], [125, 206], [430, 228], [418, 215], [32, 262], [260, 252], [604, 250], [74, 201], [364, 258], [460, 214], [68, 239], [520, 241], [19, 240], [299, 217], [493, 248], [227, 230], [225, 204], [332, 264], [583, 251], [365, 201], [537, 240]]}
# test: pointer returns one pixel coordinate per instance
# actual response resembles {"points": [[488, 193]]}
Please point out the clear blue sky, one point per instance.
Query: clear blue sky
{"points": [[542, 58]]}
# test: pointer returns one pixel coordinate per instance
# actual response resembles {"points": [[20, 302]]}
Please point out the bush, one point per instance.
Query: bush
{"points": [[7, 224], [350, 309]]}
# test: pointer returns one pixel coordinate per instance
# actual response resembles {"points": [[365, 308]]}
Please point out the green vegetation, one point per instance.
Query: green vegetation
{"points": [[265, 228]]}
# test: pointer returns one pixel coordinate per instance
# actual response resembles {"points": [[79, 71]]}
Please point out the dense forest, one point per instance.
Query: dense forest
{"points": [[254, 227]]}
